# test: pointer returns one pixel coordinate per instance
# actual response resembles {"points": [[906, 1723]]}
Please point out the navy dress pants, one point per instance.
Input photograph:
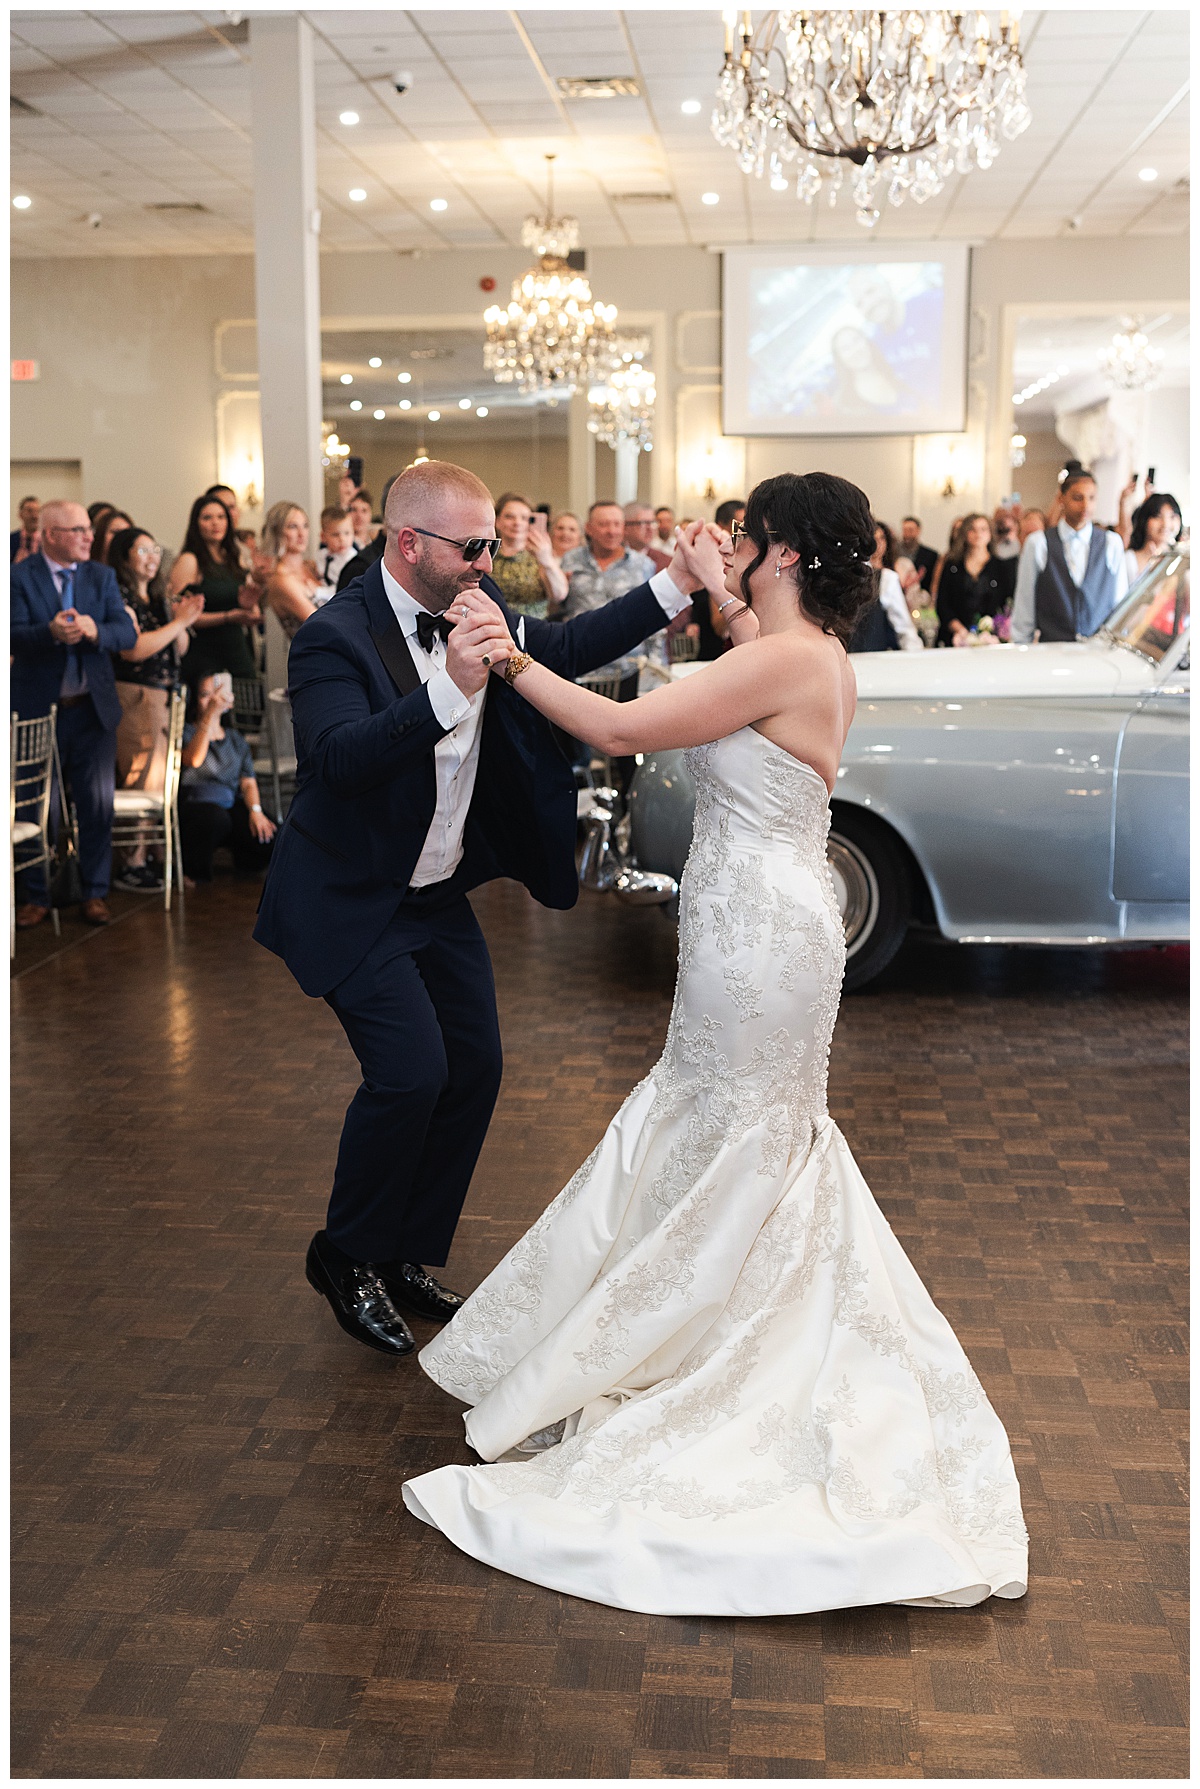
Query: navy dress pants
{"points": [[88, 752], [420, 1014]]}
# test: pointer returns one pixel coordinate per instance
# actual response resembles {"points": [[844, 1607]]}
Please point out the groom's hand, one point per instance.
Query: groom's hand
{"points": [[681, 572], [479, 641]]}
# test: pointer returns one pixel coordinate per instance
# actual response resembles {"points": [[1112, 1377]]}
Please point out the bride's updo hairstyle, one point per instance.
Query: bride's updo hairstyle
{"points": [[827, 521]]}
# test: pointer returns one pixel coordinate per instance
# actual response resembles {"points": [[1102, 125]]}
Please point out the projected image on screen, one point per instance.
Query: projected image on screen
{"points": [[853, 342], [822, 342]]}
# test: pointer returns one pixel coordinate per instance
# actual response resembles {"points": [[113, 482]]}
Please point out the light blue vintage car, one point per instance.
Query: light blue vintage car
{"points": [[1001, 794]]}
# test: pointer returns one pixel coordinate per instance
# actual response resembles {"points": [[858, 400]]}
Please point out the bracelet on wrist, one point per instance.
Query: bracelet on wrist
{"points": [[519, 661]]}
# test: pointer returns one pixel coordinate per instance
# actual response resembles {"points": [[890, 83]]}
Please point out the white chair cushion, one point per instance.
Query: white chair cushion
{"points": [[136, 801], [24, 830]]}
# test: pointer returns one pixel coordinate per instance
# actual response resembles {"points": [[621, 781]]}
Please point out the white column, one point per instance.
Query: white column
{"points": [[581, 456], [287, 276], [628, 454]]}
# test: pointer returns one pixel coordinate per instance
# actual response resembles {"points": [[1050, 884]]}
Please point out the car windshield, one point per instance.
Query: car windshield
{"points": [[1157, 609]]}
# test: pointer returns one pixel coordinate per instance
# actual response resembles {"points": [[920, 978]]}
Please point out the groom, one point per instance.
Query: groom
{"points": [[418, 777]]}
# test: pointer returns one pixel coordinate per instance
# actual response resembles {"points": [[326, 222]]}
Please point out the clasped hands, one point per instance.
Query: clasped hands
{"points": [[69, 627]]}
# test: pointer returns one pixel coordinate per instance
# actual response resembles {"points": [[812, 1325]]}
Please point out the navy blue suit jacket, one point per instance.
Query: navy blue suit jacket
{"points": [[366, 786], [39, 661]]}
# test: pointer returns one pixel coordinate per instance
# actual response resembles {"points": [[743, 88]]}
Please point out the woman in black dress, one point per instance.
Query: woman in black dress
{"points": [[972, 583], [212, 560]]}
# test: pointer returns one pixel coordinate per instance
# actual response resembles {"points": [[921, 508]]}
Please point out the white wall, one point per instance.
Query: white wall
{"points": [[129, 384]]}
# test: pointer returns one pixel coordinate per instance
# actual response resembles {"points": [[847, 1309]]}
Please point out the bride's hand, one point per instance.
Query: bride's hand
{"points": [[700, 547], [479, 640]]}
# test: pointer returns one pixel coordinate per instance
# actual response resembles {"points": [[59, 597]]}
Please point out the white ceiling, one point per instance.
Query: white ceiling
{"points": [[149, 108], [1068, 350]]}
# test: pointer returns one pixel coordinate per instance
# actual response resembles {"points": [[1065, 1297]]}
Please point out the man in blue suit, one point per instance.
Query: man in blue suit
{"points": [[66, 618], [416, 781]]}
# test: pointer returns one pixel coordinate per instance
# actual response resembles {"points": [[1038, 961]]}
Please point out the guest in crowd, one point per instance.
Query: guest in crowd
{"points": [[66, 618], [210, 565], [529, 575], [360, 506], [602, 568], [1005, 544], [93, 509], [26, 539], [1033, 521], [664, 526], [147, 673], [336, 549], [372, 552], [291, 577], [228, 496], [106, 526], [1071, 576], [641, 536], [346, 490], [973, 584], [219, 802], [565, 533], [888, 625], [726, 514], [923, 557], [1154, 531], [1129, 503]]}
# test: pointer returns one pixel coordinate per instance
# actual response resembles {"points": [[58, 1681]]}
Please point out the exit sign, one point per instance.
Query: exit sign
{"points": [[23, 370]]}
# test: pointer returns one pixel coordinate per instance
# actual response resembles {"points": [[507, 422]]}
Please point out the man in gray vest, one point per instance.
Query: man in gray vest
{"points": [[1070, 578]]}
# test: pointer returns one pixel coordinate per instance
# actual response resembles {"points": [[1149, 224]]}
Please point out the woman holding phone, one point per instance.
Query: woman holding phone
{"points": [[219, 802], [531, 578]]}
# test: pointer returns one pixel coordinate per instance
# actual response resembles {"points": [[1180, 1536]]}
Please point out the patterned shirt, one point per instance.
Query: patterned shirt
{"points": [[591, 588]]}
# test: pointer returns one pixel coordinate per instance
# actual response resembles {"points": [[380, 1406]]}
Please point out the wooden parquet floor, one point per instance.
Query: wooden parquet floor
{"points": [[214, 1573]]}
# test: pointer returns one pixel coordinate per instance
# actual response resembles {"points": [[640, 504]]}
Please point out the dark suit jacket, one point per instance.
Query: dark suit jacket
{"points": [[357, 567], [924, 558], [39, 661], [366, 787]]}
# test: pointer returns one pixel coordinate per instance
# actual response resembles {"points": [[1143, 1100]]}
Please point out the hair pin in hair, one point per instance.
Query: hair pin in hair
{"points": [[815, 565]]}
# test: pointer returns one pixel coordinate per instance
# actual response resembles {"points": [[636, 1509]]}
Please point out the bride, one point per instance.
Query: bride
{"points": [[708, 1380]]}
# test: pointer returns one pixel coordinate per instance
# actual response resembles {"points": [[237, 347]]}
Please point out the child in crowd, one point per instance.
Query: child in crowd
{"points": [[336, 551]]}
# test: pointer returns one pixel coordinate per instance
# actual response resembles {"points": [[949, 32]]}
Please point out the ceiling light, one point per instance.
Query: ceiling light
{"points": [[464, 403], [22, 202], [356, 403], [374, 361], [378, 415], [406, 403], [481, 410], [710, 198], [435, 416], [347, 378], [439, 204], [403, 378], [1147, 173], [690, 107], [779, 183], [358, 194], [347, 117]]}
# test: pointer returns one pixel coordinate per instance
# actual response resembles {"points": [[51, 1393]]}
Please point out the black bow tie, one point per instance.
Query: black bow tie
{"points": [[429, 627]]}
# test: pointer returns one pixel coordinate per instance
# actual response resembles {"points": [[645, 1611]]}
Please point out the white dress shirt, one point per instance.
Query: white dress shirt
{"points": [[456, 755], [891, 595], [1076, 545]]}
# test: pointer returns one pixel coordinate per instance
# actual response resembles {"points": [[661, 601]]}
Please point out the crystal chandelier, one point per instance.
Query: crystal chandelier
{"points": [[334, 453], [550, 334], [621, 402], [906, 98], [1129, 362]]}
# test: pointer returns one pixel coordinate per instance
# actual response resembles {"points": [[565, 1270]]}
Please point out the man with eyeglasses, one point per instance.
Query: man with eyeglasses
{"points": [[66, 618], [416, 781]]}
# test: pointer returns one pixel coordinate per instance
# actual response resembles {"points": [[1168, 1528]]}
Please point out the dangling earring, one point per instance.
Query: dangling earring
{"points": [[779, 566]]}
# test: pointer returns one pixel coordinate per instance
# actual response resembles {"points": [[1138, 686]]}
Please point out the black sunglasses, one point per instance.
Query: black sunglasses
{"points": [[472, 549]]}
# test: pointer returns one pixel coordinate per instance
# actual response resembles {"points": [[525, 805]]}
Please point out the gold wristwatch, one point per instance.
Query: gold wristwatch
{"points": [[518, 662]]}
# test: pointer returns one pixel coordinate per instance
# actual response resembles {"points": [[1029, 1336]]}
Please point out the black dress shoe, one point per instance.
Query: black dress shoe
{"points": [[360, 1302], [418, 1291]]}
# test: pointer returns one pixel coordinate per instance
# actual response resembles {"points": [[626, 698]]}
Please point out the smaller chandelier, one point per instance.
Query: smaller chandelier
{"points": [[1129, 362], [549, 336], [621, 402], [908, 99], [335, 453]]}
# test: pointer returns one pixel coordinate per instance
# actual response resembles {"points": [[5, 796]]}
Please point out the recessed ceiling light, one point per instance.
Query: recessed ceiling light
{"points": [[1147, 173], [710, 198], [347, 378], [378, 415], [690, 107], [439, 204], [481, 410], [22, 202], [779, 183], [406, 403], [435, 416], [358, 194], [464, 403], [374, 361], [347, 117], [356, 403], [403, 378]]}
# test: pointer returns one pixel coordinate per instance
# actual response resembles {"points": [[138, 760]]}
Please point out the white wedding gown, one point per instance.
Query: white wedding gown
{"points": [[745, 1401]]}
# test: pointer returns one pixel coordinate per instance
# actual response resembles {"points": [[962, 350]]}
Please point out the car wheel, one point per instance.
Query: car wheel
{"points": [[874, 891]]}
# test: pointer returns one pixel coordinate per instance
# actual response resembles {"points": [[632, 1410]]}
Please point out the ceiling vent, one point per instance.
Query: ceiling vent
{"points": [[21, 108], [598, 87], [178, 205]]}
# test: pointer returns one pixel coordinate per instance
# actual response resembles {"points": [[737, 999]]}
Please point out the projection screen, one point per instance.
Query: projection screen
{"points": [[845, 340]]}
